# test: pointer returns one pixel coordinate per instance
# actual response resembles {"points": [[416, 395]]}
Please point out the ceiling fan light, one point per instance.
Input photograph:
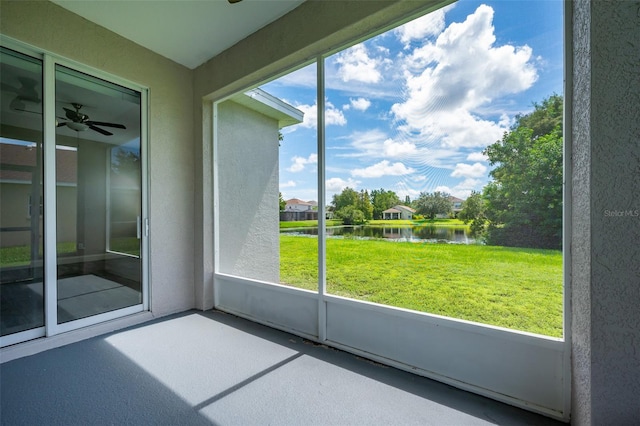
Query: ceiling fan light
{"points": [[78, 127]]}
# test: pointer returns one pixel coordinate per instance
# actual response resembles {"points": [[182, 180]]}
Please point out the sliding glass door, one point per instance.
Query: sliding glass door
{"points": [[21, 226], [98, 182], [72, 200]]}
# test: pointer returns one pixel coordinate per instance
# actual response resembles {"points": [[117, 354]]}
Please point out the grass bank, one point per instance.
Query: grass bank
{"points": [[307, 223], [509, 287]]}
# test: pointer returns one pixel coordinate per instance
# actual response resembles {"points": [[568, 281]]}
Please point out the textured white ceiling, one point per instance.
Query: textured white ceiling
{"points": [[186, 31]]}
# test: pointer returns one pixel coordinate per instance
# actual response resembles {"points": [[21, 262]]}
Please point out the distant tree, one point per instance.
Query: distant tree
{"points": [[283, 203], [364, 205], [125, 161], [351, 216], [352, 207], [473, 210], [407, 200], [383, 200], [348, 197], [523, 203], [431, 204]]}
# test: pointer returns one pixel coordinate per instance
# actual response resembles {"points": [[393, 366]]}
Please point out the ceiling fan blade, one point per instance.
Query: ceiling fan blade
{"points": [[99, 130], [61, 123], [100, 123], [9, 88], [26, 91]]}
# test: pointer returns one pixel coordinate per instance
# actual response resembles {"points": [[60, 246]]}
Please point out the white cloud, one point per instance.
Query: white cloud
{"points": [[375, 144], [391, 148], [355, 64], [402, 190], [383, 168], [469, 184], [361, 104], [299, 163], [288, 184], [383, 49], [477, 156], [464, 188], [449, 81], [332, 115], [475, 170], [337, 184], [430, 24], [443, 188]]}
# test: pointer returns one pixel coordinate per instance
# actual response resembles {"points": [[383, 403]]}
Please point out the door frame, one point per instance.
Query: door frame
{"points": [[51, 327]]}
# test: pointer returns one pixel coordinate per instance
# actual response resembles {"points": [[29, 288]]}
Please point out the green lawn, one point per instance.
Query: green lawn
{"points": [[508, 287], [21, 255]]}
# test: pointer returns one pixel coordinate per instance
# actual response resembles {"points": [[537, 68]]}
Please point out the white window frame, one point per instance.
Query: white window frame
{"points": [[329, 319]]}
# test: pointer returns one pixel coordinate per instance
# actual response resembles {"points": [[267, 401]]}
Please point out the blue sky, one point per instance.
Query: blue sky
{"points": [[412, 109]]}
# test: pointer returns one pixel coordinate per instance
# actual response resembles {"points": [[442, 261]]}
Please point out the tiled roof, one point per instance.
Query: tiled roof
{"points": [[405, 208], [298, 201]]}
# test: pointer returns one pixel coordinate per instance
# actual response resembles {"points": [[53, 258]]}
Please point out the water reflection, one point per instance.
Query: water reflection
{"points": [[444, 234]]}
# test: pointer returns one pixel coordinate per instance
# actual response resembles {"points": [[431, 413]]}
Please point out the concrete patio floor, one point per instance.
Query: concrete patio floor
{"points": [[211, 368]]}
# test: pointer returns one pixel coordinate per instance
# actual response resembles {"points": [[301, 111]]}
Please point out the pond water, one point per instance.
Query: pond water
{"points": [[431, 234]]}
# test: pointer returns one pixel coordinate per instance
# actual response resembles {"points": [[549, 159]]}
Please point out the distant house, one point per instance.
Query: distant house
{"points": [[297, 205], [457, 205], [296, 209], [398, 212]]}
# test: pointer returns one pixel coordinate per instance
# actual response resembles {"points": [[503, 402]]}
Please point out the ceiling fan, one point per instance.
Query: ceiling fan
{"points": [[25, 93], [80, 122]]}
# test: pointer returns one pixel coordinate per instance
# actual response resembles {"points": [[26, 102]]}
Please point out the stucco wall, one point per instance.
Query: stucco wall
{"points": [[615, 185], [606, 213], [247, 148], [171, 157]]}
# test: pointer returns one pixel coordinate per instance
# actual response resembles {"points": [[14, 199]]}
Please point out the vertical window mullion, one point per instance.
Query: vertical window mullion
{"points": [[144, 157], [49, 181], [322, 279], [216, 204]]}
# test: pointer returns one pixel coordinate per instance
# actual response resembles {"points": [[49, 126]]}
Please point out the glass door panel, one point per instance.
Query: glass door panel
{"points": [[21, 225], [99, 200]]}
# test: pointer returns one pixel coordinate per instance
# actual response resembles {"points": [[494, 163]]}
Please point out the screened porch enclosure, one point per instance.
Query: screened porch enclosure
{"points": [[589, 376]]}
